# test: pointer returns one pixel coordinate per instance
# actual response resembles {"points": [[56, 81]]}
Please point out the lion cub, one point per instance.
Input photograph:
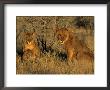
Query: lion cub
{"points": [[30, 46], [74, 47]]}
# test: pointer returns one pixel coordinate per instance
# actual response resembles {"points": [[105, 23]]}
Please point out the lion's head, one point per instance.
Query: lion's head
{"points": [[62, 35], [29, 41]]}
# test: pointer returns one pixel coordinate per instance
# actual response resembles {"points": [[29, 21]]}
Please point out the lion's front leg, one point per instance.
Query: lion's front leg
{"points": [[71, 55], [33, 54]]}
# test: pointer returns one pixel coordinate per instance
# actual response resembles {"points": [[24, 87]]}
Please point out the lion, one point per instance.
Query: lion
{"points": [[31, 50], [75, 48]]}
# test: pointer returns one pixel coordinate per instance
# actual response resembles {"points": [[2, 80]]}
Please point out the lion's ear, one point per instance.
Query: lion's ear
{"points": [[65, 29], [27, 42]]}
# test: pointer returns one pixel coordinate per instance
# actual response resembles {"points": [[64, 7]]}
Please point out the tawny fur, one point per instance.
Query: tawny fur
{"points": [[31, 50], [74, 47]]}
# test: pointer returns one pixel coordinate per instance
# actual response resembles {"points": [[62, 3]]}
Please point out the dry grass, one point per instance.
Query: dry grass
{"points": [[50, 62], [47, 64]]}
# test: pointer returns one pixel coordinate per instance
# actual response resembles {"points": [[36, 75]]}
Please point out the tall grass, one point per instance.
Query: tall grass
{"points": [[48, 64], [53, 59]]}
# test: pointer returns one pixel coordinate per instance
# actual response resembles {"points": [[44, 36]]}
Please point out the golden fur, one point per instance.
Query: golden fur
{"points": [[75, 48], [30, 46]]}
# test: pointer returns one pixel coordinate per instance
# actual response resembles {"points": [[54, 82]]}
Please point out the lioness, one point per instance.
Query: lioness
{"points": [[74, 47], [30, 46]]}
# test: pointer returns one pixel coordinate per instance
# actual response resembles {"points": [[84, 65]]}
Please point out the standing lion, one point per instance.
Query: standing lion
{"points": [[74, 47]]}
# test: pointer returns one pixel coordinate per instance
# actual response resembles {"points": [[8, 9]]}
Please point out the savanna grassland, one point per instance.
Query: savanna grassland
{"points": [[41, 53]]}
